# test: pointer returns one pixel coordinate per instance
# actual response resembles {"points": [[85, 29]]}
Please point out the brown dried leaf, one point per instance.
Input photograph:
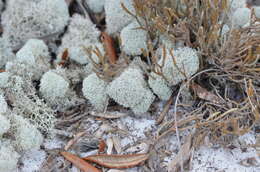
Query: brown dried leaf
{"points": [[79, 163], [65, 54], [101, 146], [118, 161], [205, 95], [109, 47]]}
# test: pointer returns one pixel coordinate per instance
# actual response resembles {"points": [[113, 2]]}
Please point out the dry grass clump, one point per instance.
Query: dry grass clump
{"points": [[232, 62]]}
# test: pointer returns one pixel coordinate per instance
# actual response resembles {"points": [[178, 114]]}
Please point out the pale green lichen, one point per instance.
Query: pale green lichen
{"points": [[97, 6], [133, 39], [4, 77], [4, 124], [26, 103], [159, 86], [130, 90], [27, 136], [23, 20], [53, 86], [82, 33], [180, 64], [6, 53], [94, 89], [241, 17], [116, 16], [8, 157]]}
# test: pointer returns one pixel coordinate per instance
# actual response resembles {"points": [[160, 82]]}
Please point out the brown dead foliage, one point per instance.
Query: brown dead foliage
{"points": [[232, 88]]}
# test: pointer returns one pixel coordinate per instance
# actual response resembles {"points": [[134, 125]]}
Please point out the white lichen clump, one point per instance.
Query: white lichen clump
{"points": [[53, 86], [160, 86], [81, 33], [32, 52], [257, 11], [3, 104], [130, 90], [55, 89], [4, 77], [133, 39], [97, 6], [180, 64], [94, 89], [116, 16], [31, 19], [8, 157], [26, 103], [241, 17], [235, 4], [35, 54], [27, 136], [4, 124], [6, 53]]}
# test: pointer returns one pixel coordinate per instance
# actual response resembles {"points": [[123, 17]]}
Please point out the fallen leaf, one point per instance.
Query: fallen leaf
{"points": [[117, 161], [205, 95], [64, 57], [79, 163], [101, 146], [109, 47]]}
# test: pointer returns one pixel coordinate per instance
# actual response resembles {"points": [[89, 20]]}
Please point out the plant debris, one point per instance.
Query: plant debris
{"points": [[118, 161]]}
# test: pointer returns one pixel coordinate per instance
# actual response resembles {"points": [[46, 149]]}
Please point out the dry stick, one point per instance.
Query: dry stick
{"points": [[175, 110], [79, 163], [165, 110]]}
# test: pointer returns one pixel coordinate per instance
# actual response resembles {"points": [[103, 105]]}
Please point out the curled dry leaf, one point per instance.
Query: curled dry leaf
{"points": [[206, 95], [74, 140], [101, 146], [118, 161], [109, 47], [64, 57], [79, 163], [2, 70]]}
